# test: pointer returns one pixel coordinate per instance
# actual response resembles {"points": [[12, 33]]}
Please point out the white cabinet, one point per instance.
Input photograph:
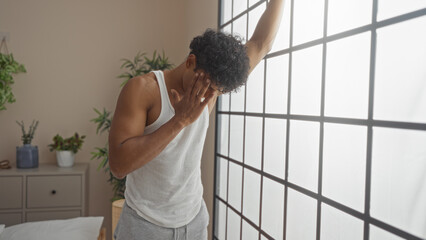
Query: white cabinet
{"points": [[43, 193]]}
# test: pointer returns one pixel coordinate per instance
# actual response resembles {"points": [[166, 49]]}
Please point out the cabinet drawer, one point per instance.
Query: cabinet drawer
{"points": [[10, 219], [11, 192], [51, 215], [53, 191]]}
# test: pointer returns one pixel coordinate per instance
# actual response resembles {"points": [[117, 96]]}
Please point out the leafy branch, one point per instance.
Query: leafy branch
{"points": [[8, 66], [27, 137]]}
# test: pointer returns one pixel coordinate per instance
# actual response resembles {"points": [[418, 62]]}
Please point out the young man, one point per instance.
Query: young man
{"points": [[159, 127]]}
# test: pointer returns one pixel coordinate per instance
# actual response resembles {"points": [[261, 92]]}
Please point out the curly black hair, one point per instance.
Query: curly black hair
{"points": [[223, 57]]}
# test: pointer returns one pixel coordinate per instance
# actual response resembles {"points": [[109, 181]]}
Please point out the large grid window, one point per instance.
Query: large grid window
{"points": [[327, 139]]}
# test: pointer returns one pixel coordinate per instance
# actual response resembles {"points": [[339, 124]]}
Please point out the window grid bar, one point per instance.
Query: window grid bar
{"points": [[263, 143], [367, 200], [328, 201], [227, 171], [351, 32], [382, 23], [229, 140], [242, 13], [351, 121], [244, 137], [321, 137], [370, 123], [216, 171], [217, 137], [245, 218], [290, 63], [262, 149]]}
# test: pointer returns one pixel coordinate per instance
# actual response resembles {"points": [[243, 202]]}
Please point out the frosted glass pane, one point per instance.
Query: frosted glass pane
{"points": [[240, 27], [226, 11], [398, 189], [252, 2], [223, 177], [251, 198], [235, 184], [227, 29], [306, 81], [249, 233], [301, 216], [380, 234], [236, 138], [392, 8], [221, 229], [400, 83], [253, 148], [273, 208], [344, 163], [335, 224], [308, 20], [239, 6], [237, 100], [277, 85], [275, 147], [347, 77], [224, 102], [282, 40], [234, 223], [347, 14], [254, 87], [303, 154], [254, 16], [224, 132]]}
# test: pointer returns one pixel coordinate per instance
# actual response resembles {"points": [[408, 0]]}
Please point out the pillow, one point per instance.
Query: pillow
{"points": [[1, 228], [82, 228]]}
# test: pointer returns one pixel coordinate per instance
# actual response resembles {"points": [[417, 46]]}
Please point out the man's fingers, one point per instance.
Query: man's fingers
{"points": [[197, 86], [203, 90], [208, 99]]}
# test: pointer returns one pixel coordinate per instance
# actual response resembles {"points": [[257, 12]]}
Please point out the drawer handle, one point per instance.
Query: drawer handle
{"points": [[53, 192]]}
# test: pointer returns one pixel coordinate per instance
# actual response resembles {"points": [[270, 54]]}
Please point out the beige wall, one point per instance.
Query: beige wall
{"points": [[72, 52]]}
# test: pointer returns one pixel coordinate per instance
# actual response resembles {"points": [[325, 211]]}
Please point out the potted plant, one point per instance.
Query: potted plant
{"points": [[66, 149], [27, 155], [8, 66]]}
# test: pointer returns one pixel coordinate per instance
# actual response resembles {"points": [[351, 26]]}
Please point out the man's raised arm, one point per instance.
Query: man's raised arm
{"points": [[264, 34]]}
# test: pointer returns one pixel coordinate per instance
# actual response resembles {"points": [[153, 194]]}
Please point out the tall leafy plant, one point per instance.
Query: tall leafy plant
{"points": [[141, 64], [8, 67]]}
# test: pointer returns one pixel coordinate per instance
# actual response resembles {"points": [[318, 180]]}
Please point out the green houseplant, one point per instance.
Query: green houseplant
{"points": [[8, 67], [139, 66], [27, 155], [66, 149]]}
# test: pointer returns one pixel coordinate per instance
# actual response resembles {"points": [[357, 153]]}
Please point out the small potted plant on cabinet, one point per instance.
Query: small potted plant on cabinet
{"points": [[66, 149], [27, 155]]}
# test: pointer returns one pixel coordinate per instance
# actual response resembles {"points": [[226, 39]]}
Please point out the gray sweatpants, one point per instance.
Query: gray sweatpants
{"points": [[131, 226]]}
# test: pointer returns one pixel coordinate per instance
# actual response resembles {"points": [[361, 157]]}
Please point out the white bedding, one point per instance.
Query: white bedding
{"points": [[82, 228]]}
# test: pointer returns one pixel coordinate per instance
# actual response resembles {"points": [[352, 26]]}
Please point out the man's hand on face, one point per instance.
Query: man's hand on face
{"points": [[189, 105]]}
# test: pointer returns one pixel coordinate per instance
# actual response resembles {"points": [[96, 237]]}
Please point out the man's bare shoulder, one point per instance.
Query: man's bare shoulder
{"points": [[143, 88]]}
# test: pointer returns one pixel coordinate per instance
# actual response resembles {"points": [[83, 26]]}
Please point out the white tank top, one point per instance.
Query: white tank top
{"points": [[167, 191]]}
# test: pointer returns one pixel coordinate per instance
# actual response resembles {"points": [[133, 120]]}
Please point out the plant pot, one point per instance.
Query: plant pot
{"points": [[65, 158], [27, 156]]}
